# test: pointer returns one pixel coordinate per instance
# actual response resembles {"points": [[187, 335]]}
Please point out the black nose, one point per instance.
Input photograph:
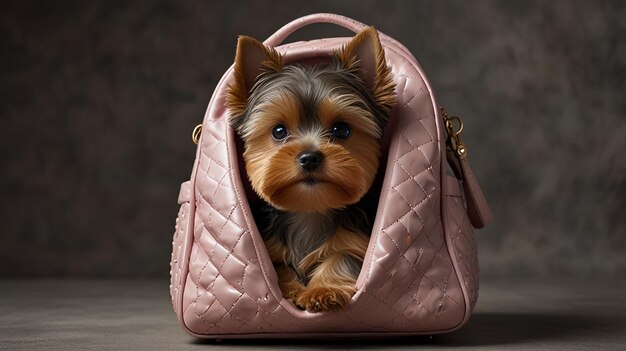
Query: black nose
{"points": [[310, 160]]}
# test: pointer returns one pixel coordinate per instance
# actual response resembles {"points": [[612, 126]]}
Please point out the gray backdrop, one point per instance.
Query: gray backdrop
{"points": [[99, 99]]}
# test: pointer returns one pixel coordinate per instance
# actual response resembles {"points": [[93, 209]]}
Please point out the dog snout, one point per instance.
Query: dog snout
{"points": [[310, 160]]}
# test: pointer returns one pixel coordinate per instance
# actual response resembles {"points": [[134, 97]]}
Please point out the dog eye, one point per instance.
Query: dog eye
{"points": [[279, 132], [340, 130]]}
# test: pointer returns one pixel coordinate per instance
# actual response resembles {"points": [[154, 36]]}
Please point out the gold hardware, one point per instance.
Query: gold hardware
{"points": [[195, 135], [454, 136], [450, 122]]}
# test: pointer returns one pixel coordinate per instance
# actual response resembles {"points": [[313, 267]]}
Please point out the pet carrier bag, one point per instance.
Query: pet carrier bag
{"points": [[420, 272]]}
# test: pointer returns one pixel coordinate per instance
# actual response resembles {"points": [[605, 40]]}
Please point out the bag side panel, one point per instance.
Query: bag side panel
{"points": [[226, 288], [178, 241], [409, 278], [445, 206], [463, 239]]}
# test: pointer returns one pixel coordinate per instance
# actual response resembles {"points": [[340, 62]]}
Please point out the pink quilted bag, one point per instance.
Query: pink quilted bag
{"points": [[420, 273]]}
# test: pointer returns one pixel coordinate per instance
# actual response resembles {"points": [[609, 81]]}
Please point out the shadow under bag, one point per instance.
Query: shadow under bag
{"points": [[420, 273]]}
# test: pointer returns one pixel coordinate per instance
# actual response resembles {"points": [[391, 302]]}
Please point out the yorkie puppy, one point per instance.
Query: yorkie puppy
{"points": [[312, 138]]}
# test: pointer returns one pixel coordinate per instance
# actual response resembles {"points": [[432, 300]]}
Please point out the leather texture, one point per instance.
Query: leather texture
{"points": [[420, 274], [462, 236], [477, 208]]}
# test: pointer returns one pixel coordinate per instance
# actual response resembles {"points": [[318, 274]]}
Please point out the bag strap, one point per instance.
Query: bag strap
{"points": [[280, 35], [478, 210]]}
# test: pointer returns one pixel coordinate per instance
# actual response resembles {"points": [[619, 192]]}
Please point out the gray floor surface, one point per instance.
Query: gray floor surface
{"points": [[137, 315]]}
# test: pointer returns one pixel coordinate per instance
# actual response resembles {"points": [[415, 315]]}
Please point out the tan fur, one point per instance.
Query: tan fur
{"points": [[251, 58], [288, 281], [331, 287], [345, 175], [357, 52], [343, 242], [281, 109], [342, 108], [348, 169]]}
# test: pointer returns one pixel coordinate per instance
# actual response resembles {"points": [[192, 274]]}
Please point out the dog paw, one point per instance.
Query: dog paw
{"points": [[292, 293], [324, 299]]}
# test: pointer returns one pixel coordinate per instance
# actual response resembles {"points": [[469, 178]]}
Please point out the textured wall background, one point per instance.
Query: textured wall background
{"points": [[99, 98]]}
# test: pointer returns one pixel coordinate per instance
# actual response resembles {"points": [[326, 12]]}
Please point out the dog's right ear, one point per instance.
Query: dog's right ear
{"points": [[364, 54], [252, 59]]}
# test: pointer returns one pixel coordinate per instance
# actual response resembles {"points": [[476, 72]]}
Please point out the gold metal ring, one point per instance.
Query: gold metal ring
{"points": [[450, 125], [195, 135]]}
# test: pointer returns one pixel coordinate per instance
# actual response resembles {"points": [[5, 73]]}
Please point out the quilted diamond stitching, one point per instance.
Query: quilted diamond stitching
{"points": [[412, 208], [217, 208], [465, 247], [177, 254]]}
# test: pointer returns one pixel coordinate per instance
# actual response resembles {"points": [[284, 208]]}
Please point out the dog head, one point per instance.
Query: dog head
{"points": [[311, 133]]}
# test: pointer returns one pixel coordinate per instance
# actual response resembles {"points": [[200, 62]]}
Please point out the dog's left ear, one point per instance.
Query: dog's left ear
{"points": [[366, 56], [252, 59]]}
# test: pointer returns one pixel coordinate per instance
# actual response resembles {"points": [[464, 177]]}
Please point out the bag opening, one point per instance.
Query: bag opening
{"points": [[373, 193]]}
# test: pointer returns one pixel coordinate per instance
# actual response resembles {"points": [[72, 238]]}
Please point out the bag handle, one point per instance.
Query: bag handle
{"points": [[280, 35]]}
